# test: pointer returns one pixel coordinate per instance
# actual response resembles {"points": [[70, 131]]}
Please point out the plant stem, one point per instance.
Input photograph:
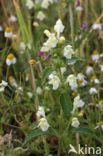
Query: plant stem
{"points": [[46, 147], [60, 135], [86, 10], [72, 25], [7, 73]]}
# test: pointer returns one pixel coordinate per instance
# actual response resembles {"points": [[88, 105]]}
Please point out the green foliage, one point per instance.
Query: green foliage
{"points": [[84, 130], [66, 103], [36, 133]]}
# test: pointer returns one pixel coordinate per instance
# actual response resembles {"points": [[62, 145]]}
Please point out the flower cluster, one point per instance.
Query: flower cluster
{"points": [[43, 124]]}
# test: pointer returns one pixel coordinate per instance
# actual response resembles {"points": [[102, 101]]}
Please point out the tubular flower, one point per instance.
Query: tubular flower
{"points": [[59, 27], [75, 122], [68, 51], [78, 103], [41, 16], [40, 112], [54, 81], [29, 4], [43, 124], [71, 79]]}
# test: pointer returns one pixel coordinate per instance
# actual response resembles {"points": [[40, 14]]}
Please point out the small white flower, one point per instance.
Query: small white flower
{"points": [[97, 25], [29, 4], [28, 45], [101, 67], [63, 70], [8, 33], [13, 19], [68, 52], [78, 37], [75, 122], [22, 46], [19, 90], [43, 124], [39, 90], [35, 24], [41, 16], [93, 91], [37, 1], [101, 104], [14, 36], [50, 43], [27, 78], [40, 112], [101, 55], [11, 59], [12, 81], [45, 4], [81, 79], [47, 88], [95, 80], [71, 79], [78, 102], [99, 124], [61, 39], [89, 70], [79, 8], [95, 56], [1, 28], [54, 81], [30, 95], [3, 84], [80, 76], [45, 48], [59, 27], [47, 33]]}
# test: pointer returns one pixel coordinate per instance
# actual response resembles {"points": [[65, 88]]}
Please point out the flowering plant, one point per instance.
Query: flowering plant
{"points": [[51, 77]]}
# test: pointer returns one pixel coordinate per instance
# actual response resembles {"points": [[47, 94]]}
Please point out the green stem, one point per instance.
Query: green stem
{"points": [[72, 25], [34, 87], [15, 71], [86, 10], [60, 135], [46, 147], [7, 73]]}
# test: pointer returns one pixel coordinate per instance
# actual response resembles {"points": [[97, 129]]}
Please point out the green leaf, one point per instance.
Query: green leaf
{"points": [[83, 130], [23, 26], [45, 74], [73, 60], [37, 133], [66, 104]]}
